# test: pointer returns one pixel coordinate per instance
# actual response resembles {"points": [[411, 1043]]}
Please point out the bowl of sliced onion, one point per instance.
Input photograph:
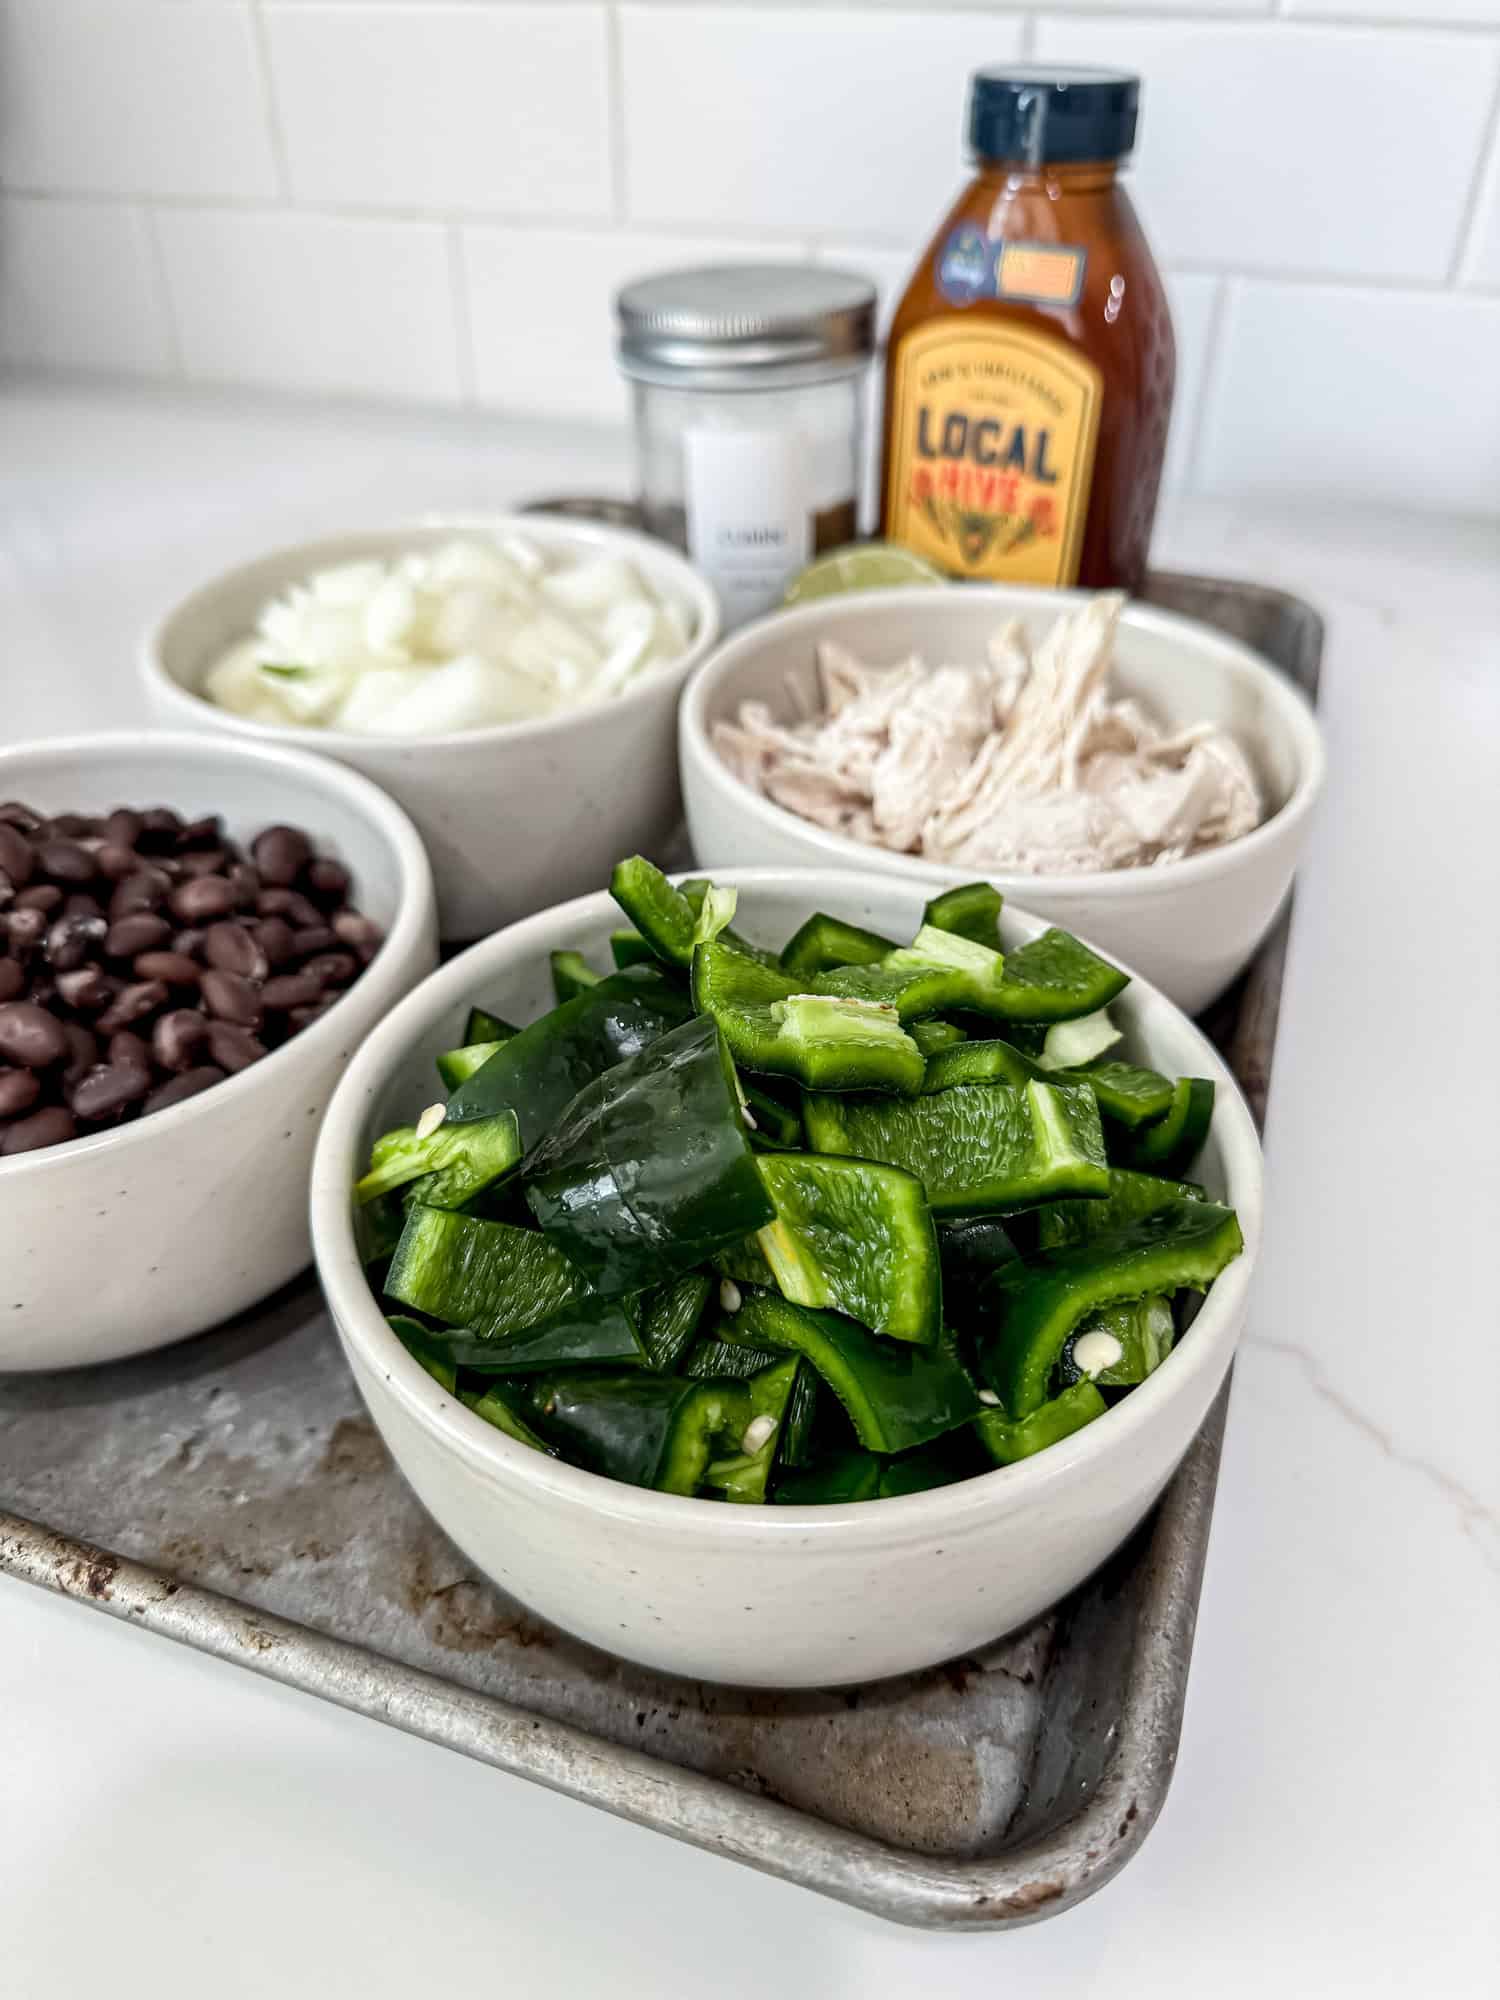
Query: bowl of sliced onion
{"points": [[512, 680]]}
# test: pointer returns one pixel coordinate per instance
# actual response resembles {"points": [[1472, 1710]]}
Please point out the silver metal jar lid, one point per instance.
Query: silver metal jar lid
{"points": [[745, 326]]}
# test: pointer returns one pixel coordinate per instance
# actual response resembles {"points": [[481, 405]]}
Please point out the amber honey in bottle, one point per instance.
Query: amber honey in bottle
{"points": [[1030, 365]]}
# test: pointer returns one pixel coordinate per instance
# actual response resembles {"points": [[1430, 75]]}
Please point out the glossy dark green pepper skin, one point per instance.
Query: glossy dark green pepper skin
{"points": [[539, 1072], [650, 1170], [614, 1424]]}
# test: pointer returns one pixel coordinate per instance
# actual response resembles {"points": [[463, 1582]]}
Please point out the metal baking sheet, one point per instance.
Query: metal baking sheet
{"points": [[231, 1493]]}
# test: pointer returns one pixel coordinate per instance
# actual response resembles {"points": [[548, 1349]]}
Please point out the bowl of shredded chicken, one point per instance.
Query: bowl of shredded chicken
{"points": [[1108, 764]]}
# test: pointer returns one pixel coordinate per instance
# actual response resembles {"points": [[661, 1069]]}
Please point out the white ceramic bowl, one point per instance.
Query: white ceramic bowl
{"points": [[1189, 925], [512, 817], [122, 1241], [764, 1596]]}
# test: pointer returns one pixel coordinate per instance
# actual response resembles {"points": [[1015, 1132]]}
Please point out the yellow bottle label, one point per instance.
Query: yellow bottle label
{"points": [[992, 450]]}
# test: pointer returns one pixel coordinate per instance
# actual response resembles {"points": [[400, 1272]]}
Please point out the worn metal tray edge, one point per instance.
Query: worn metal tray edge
{"points": [[1037, 1879], [1040, 1877]]}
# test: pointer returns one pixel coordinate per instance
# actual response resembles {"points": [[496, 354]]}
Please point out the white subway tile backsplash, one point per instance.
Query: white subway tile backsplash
{"points": [[808, 120], [1330, 390], [1423, 13], [541, 310], [460, 108], [888, 270], [1194, 301], [350, 306], [132, 97], [1286, 149], [80, 288], [1482, 261]]}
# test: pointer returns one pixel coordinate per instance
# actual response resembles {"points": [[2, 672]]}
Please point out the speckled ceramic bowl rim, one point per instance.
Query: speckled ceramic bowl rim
{"points": [[373, 543], [840, 850], [500, 1459], [414, 909]]}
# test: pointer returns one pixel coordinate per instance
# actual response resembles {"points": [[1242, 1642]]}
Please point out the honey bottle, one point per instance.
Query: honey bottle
{"points": [[1030, 365]]}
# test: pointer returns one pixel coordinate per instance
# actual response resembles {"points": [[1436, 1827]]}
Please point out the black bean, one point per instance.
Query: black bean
{"points": [[331, 968], [16, 856], [115, 863], [49, 1127], [328, 881], [303, 1017], [83, 1049], [212, 861], [43, 896], [138, 933], [142, 890], [274, 936], [73, 939], [177, 1037], [88, 988], [107, 1088], [29, 1036], [25, 930], [232, 998], [12, 979], [208, 832], [128, 1051], [298, 911], [19, 1090], [280, 853], [133, 1004], [187, 1085], [174, 966], [290, 989], [159, 830], [232, 948], [122, 827], [70, 826], [66, 861], [353, 929], [246, 882], [81, 904], [233, 1048], [200, 901], [316, 937], [189, 942], [15, 814]]}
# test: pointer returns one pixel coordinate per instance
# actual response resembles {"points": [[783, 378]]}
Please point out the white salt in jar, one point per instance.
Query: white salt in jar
{"points": [[749, 386]]}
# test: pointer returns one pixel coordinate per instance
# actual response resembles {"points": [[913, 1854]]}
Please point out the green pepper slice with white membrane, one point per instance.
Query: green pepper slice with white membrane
{"points": [[977, 1147], [1009, 1439], [1119, 1346], [896, 1395], [856, 1235], [823, 1041], [1038, 1302], [649, 1170], [450, 1164]]}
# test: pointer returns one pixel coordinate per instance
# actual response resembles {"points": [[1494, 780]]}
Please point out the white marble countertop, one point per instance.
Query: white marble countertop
{"points": [[169, 1825]]}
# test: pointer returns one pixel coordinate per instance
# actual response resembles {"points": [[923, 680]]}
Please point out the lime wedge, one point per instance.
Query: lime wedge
{"points": [[860, 566]]}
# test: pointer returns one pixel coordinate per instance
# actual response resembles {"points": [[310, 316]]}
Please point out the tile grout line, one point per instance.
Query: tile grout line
{"points": [[614, 78], [1468, 224], [463, 317], [1218, 327], [270, 107], [156, 257]]}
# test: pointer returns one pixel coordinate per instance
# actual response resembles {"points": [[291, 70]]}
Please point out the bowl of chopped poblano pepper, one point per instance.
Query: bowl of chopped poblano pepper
{"points": [[780, 1280]]}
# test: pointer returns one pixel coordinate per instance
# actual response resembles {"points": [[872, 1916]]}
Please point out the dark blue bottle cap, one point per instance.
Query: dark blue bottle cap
{"points": [[1038, 114]]}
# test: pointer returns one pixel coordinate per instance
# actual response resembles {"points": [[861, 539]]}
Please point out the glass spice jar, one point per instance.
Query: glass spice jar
{"points": [[749, 385], [1030, 364]]}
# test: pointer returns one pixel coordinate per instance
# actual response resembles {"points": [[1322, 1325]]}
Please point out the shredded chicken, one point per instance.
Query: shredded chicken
{"points": [[1025, 763]]}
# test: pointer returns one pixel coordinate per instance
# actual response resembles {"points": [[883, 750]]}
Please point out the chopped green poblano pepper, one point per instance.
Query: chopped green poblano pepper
{"points": [[1120, 1345], [940, 1464], [1171, 1144], [980, 1062], [456, 1066], [1128, 1095], [745, 1263], [452, 1162], [837, 1478], [572, 974], [932, 1036], [377, 1227], [1070, 1044], [896, 1396], [593, 1332], [422, 1347], [798, 1432], [483, 1026], [856, 1235], [505, 1407], [824, 1042], [669, 1319], [629, 948], [976, 1147], [1007, 1440], [977, 971], [612, 1423], [649, 1171], [825, 942], [1131, 1198], [670, 920], [1055, 978], [770, 1122], [971, 911], [1037, 1303], [489, 1279], [733, 1360], [538, 1072], [741, 1472]]}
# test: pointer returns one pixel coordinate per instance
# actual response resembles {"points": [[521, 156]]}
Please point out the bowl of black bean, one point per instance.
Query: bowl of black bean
{"points": [[195, 935]]}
